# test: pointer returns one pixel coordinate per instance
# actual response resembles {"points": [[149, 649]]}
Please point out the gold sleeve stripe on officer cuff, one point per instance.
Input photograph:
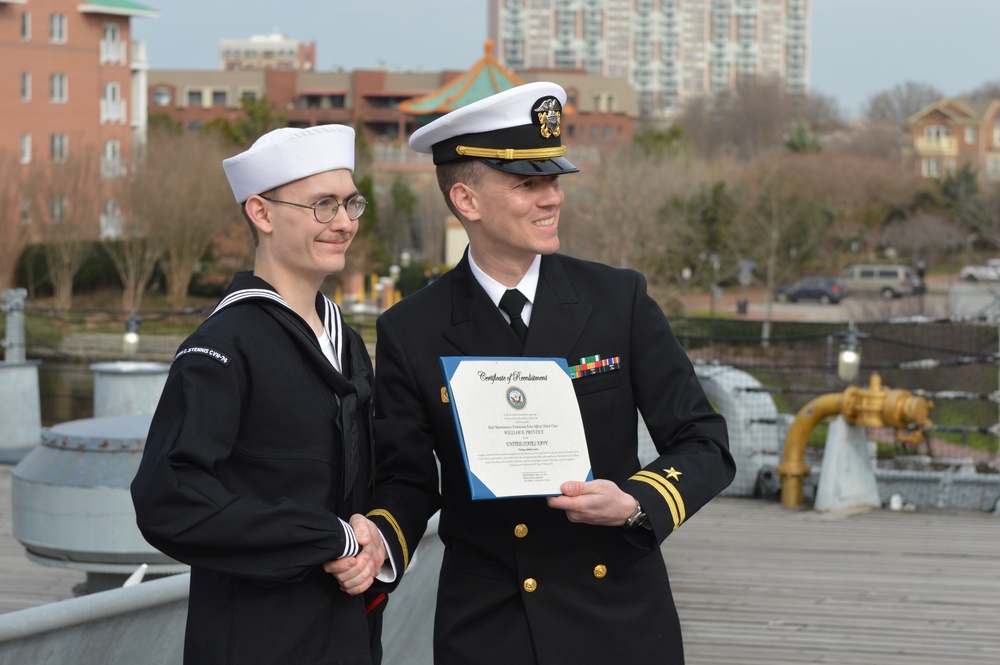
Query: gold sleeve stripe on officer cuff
{"points": [[670, 495], [510, 153], [399, 532]]}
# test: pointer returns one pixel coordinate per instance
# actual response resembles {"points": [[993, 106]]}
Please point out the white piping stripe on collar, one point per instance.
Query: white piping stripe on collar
{"points": [[333, 324], [333, 320], [243, 294]]}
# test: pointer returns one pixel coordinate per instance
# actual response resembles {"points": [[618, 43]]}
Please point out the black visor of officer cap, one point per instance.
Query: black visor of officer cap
{"points": [[517, 131], [529, 167]]}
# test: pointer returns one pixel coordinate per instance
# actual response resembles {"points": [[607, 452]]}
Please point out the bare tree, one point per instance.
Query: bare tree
{"points": [[132, 244], [68, 198], [986, 92], [611, 207], [779, 226], [898, 103], [14, 218], [180, 196], [745, 122], [429, 227]]}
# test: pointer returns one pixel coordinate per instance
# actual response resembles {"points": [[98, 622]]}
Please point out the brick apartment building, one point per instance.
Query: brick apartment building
{"points": [[951, 133], [69, 74], [604, 109]]}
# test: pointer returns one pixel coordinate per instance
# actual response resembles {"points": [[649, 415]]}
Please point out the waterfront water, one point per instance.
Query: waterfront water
{"points": [[66, 391]]}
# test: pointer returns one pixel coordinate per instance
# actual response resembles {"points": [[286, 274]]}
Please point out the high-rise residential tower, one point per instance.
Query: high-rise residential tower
{"points": [[669, 50]]}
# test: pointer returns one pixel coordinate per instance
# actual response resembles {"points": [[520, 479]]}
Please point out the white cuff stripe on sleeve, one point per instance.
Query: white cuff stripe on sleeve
{"points": [[351, 547]]}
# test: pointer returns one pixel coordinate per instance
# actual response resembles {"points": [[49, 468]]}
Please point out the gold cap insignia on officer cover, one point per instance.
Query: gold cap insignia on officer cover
{"points": [[549, 117]]}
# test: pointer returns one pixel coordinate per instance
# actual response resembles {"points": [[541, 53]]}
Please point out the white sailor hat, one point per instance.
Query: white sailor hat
{"points": [[517, 131], [287, 154]]}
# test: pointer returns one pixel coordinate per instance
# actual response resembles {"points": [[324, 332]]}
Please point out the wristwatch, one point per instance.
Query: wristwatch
{"points": [[637, 517]]}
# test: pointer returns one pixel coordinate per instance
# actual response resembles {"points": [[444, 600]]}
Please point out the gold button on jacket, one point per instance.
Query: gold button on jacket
{"points": [[600, 570], [521, 530], [530, 584]]}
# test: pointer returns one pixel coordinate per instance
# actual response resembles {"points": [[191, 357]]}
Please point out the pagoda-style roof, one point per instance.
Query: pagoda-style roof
{"points": [[486, 77], [120, 7]]}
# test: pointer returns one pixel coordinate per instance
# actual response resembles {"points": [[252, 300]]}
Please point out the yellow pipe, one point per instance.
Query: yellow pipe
{"points": [[873, 406], [793, 467]]}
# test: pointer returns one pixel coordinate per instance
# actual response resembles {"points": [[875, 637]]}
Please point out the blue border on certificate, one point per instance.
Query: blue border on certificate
{"points": [[450, 365]]}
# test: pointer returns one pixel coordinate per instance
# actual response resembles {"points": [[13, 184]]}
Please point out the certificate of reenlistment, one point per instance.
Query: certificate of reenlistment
{"points": [[518, 424]]}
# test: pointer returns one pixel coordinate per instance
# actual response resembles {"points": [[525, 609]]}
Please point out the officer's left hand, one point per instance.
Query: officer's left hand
{"points": [[598, 502]]}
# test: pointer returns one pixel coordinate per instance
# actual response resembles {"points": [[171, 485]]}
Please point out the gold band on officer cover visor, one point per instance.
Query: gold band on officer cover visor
{"points": [[511, 153]]}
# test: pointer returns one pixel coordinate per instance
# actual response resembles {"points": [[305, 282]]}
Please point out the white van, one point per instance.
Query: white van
{"points": [[888, 281]]}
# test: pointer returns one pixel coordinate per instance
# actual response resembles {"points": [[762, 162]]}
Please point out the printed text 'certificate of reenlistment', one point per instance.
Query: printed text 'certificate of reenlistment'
{"points": [[518, 423]]}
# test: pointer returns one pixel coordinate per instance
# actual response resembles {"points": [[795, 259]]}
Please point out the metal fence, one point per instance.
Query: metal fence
{"points": [[954, 364]]}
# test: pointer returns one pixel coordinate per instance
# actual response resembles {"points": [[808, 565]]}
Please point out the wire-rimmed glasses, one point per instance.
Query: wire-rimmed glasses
{"points": [[326, 208]]}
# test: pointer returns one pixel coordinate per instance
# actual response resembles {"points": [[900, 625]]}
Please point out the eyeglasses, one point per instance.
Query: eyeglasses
{"points": [[326, 208]]}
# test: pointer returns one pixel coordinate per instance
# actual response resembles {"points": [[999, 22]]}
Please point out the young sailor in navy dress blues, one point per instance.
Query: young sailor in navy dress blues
{"points": [[258, 464]]}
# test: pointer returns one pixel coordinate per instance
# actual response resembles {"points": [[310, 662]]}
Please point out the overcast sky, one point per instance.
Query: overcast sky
{"points": [[859, 47]]}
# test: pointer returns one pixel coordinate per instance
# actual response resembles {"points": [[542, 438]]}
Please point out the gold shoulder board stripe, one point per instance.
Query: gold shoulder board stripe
{"points": [[669, 493], [511, 153], [399, 533]]}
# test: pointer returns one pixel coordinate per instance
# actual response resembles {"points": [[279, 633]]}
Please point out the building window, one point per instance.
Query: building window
{"points": [[112, 220], [970, 135], [249, 95], [60, 148], [25, 86], [993, 168], [26, 148], [935, 133], [111, 32], [194, 97], [60, 202], [25, 210], [57, 28], [112, 104], [219, 97], [113, 49], [25, 26], [58, 89], [111, 162], [949, 166], [931, 168], [162, 97]]}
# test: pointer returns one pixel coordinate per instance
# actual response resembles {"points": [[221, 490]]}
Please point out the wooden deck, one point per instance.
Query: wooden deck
{"points": [[755, 584]]}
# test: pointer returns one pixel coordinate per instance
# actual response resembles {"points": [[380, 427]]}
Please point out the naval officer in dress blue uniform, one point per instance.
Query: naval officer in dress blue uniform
{"points": [[575, 578]]}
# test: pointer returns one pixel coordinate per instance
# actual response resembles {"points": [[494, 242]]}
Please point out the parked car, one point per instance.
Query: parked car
{"points": [[824, 289], [888, 281], [988, 272]]}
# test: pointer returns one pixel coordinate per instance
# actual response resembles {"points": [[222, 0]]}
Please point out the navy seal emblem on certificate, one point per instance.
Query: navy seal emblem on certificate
{"points": [[518, 424]]}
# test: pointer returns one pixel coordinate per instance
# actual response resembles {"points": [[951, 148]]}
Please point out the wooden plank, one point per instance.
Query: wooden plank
{"points": [[755, 584]]}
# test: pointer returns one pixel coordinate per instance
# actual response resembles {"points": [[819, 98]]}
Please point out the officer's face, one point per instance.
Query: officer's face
{"points": [[518, 217], [302, 245]]}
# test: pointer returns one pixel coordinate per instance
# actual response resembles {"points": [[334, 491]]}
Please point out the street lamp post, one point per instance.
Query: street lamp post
{"points": [[130, 340], [849, 358]]}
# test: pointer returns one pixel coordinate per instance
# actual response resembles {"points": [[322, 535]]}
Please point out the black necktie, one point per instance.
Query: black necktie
{"points": [[512, 303]]}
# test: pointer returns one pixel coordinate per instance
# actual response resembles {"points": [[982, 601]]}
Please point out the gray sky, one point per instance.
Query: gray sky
{"points": [[859, 47]]}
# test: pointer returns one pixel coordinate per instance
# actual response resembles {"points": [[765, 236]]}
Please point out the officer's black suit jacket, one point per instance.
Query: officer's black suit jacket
{"points": [[600, 594]]}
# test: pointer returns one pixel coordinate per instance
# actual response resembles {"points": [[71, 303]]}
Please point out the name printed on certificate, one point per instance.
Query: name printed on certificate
{"points": [[518, 423]]}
